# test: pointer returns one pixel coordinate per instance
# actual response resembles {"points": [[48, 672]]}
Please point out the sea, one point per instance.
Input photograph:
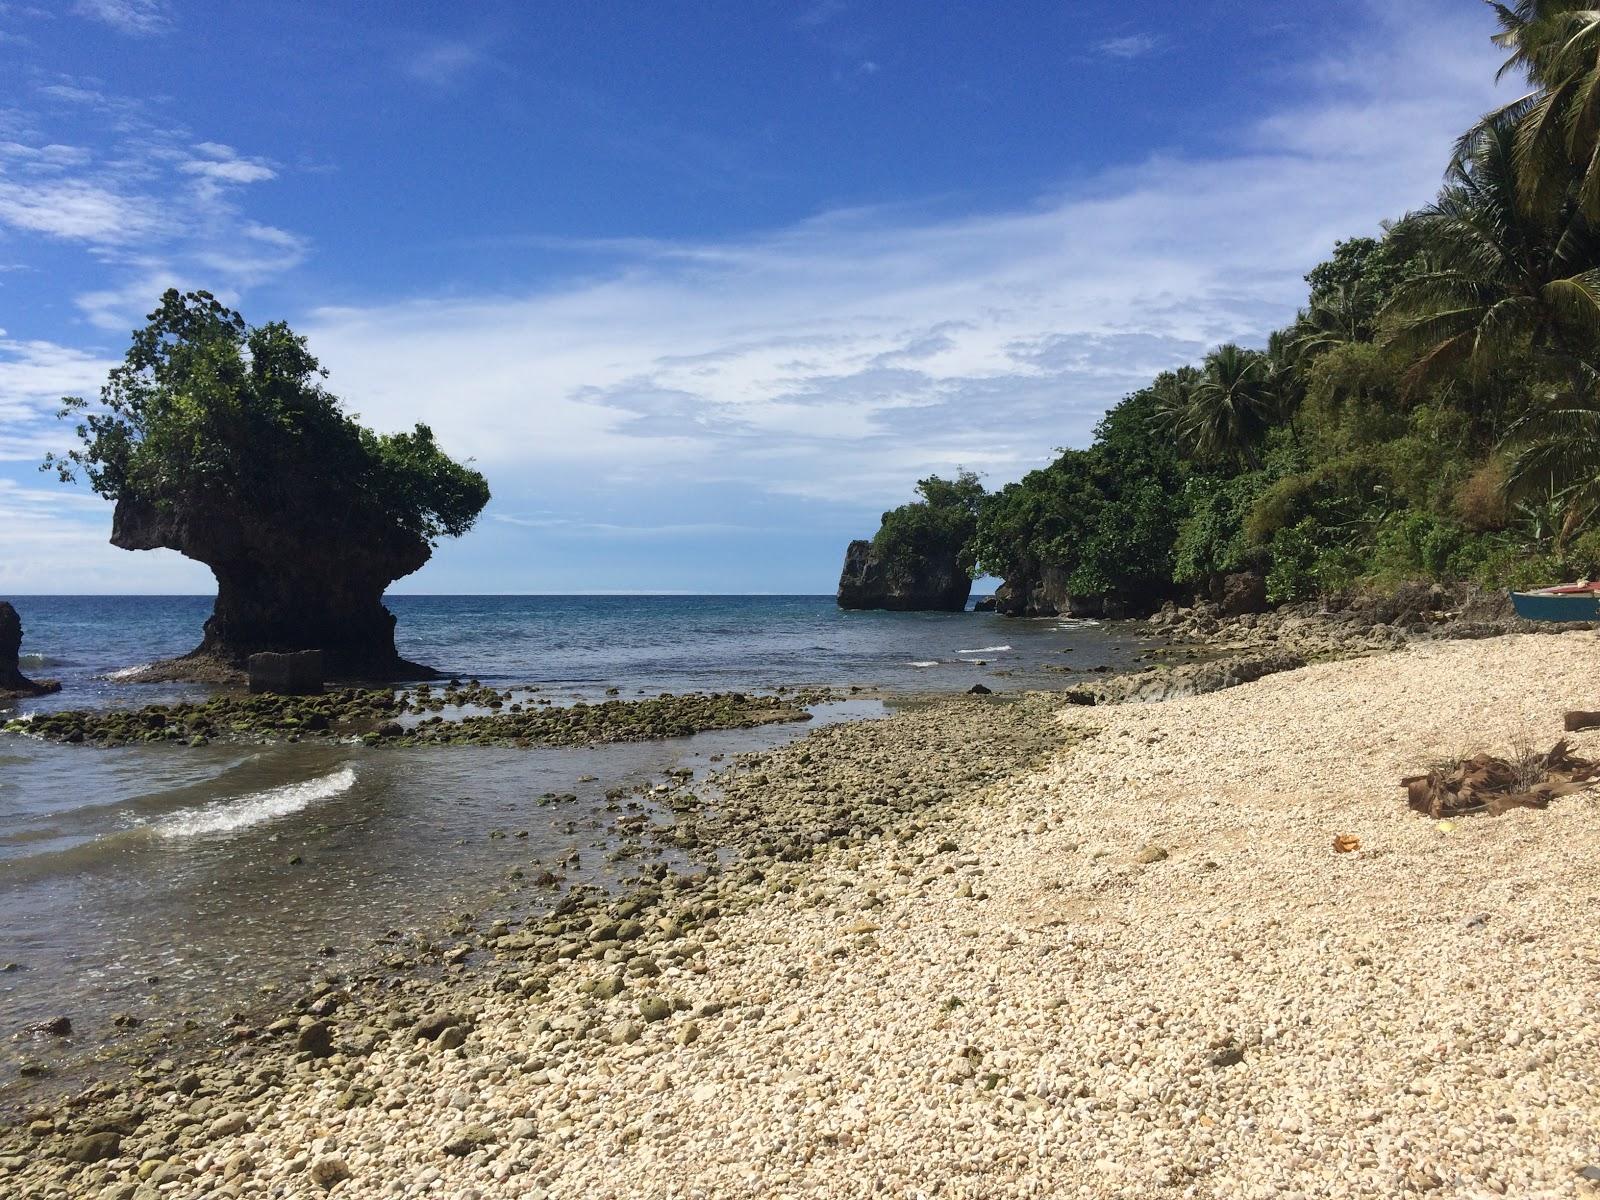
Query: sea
{"points": [[174, 884]]}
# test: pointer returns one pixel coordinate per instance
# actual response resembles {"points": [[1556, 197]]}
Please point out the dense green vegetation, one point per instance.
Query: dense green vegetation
{"points": [[1433, 412], [946, 516], [205, 409]]}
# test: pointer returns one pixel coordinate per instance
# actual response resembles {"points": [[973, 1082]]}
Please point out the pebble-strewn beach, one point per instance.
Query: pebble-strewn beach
{"points": [[1136, 968]]}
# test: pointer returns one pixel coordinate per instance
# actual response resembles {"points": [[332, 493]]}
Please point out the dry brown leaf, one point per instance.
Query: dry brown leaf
{"points": [[1344, 843]]}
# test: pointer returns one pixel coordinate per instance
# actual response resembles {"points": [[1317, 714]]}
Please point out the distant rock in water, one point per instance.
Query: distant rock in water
{"points": [[285, 588], [930, 582], [13, 682]]}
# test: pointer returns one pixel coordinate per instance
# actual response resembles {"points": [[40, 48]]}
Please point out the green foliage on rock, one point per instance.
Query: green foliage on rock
{"points": [[946, 516], [205, 407]]}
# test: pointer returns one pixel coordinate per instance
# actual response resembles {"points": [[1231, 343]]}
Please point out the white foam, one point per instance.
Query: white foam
{"points": [[126, 672], [225, 816], [925, 664], [985, 650]]}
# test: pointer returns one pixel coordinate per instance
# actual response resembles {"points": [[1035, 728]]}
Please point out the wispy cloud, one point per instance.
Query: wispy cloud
{"points": [[224, 165], [155, 206], [1133, 45], [819, 13], [77, 210], [34, 375], [52, 540], [444, 62], [137, 18]]}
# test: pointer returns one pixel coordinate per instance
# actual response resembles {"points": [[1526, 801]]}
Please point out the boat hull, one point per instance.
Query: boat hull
{"points": [[1546, 606]]}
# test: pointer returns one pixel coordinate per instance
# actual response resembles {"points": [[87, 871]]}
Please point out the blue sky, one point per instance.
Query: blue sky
{"points": [[703, 289]]}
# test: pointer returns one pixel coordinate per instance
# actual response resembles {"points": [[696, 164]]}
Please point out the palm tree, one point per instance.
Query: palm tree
{"points": [[1339, 318], [1282, 378], [1231, 405], [1556, 45], [1173, 392], [1555, 461], [1499, 280]]}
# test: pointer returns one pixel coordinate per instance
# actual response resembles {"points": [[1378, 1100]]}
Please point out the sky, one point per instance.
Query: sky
{"points": [[702, 289]]}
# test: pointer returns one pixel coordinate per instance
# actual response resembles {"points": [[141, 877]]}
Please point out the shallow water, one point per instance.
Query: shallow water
{"points": [[249, 866], [163, 880]]}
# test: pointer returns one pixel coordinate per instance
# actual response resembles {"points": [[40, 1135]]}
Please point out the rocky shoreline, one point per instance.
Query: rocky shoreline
{"points": [[868, 870], [835, 792], [1358, 623]]}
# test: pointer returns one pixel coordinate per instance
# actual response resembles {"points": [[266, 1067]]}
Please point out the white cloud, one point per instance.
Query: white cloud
{"points": [[54, 540], [137, 18], [1134, 45], [577, 527], [116, 308], [76, 210], [443, 62], [34, 376], [232, 170]]}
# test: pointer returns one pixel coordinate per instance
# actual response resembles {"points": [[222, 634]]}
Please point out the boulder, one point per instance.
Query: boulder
{"points": [[1241, 593], [13, 683], [936, 582], [296, 673]]}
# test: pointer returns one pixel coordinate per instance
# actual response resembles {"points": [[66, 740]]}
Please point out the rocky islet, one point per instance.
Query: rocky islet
{"points": [[13, 683]]}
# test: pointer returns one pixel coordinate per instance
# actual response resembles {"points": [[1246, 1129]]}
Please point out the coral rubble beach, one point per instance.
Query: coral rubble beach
{"points": [[985, 948]]}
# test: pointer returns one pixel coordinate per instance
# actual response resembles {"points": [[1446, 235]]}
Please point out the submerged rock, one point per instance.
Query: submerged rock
{"points": [[12, 681]]}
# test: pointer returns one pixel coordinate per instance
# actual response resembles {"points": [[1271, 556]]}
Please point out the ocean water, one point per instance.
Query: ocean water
{"points": [[173, 882], [588, 643]]}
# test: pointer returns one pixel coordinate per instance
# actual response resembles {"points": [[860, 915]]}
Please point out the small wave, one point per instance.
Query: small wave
{"points": [[227, 815], [1074, 622], [985, 650], [923, 664], [41, 660], [126, 672]]}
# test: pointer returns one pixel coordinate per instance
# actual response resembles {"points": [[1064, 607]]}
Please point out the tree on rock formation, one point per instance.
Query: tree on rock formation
{"points": [[218, 440]]}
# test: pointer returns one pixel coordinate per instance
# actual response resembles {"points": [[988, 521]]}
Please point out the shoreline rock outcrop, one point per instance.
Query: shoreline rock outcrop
{"points": [[1044, 593], [13, 683], [285, 586], [934, 582], [1358, 621]]}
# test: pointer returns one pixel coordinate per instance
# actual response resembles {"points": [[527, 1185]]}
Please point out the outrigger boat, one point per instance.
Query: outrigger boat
{"points": [[1568, 602]]}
